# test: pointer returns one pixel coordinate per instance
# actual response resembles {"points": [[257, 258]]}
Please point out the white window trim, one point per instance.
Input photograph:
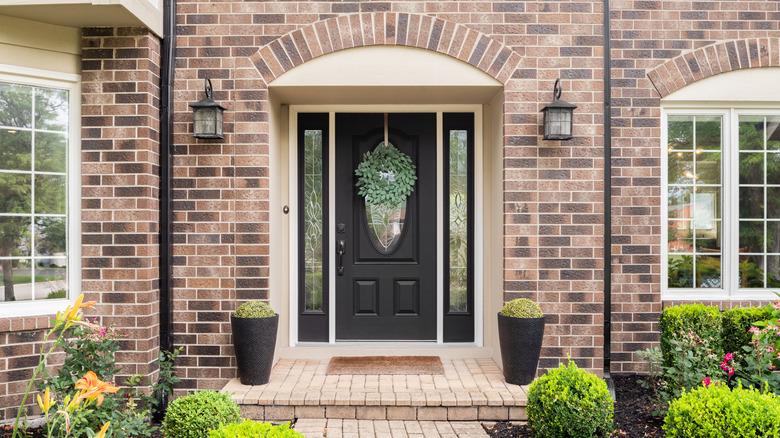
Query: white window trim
{"points": [[729, 202], [72, 83]]}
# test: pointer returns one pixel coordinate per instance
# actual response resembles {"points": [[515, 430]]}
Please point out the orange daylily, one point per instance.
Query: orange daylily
{"points": [[72, 313], [103, 430], [92, 388], [46, 402]]}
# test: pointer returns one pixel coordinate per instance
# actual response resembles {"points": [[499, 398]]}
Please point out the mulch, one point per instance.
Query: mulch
{"points": [[635, 413]]}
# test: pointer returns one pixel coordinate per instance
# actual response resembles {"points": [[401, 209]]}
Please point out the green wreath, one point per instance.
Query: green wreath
{"points": [[386, 176]]}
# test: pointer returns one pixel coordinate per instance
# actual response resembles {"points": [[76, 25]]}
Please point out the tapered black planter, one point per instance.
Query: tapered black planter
{"points": [[521, 343], [254, 340]]}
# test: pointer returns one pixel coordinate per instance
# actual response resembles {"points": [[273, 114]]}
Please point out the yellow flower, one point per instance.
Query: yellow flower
{"points": [[103, 430], [46, 402], [92, 388], [72, 313]]}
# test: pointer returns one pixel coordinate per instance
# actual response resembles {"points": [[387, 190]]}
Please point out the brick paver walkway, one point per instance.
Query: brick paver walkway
{"points": [[469, 389], [335, 428]]}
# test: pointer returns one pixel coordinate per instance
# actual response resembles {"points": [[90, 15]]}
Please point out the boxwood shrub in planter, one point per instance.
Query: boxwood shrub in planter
{"points": [[520, 333], [254, 326]]}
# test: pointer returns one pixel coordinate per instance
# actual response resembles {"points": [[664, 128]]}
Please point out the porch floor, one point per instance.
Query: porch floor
{"points": [[469, 390], [337, 428]]}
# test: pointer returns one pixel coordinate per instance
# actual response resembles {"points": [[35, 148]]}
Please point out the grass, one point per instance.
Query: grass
{"points": [[26, 278]]}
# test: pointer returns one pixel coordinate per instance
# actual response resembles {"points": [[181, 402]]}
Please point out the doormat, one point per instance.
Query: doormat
{"points": [[393, 365]]}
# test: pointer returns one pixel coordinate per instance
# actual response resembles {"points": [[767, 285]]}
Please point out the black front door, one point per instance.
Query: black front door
{"points": [[385, 271]]}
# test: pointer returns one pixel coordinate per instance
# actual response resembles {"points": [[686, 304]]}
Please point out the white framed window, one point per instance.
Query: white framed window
{"points": [[721, 203], [39, 191]]}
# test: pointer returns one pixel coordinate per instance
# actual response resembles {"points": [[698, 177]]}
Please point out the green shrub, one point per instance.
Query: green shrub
{"points": [[254, 429], [254, 309], [735, 325], [717, 411], [676, 321], [196, 414], [522, 308], [569, 402]]}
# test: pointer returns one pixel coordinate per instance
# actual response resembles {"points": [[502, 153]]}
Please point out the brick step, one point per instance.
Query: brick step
{"points": [[379, 412]]}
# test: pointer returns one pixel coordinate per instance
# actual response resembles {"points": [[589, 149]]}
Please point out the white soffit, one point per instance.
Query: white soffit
{"points": [[749, 85]]}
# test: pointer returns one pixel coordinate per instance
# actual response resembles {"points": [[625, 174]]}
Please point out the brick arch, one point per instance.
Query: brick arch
{"points": [[385, 28], [721, 57]]}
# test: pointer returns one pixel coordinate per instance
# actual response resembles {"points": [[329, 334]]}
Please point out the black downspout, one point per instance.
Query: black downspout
{"points": [[607, 199], [167, 64]]}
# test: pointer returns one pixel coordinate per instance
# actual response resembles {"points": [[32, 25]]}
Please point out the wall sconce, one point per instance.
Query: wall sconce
{"points": [[207, 116], [558, 116]]}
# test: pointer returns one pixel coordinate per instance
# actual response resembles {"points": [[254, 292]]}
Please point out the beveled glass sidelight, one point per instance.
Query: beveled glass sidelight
{"points": [[313, 233], [207, 116], [458, 220]]}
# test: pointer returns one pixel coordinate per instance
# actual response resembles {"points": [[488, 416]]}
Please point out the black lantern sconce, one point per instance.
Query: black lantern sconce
{"points": [[207, 116], [558, 116]]}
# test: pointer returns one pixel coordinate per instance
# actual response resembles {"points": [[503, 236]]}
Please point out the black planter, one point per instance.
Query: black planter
{"points": [[521, 343], [254, 341]]}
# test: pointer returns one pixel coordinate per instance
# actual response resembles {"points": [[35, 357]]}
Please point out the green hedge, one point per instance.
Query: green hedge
{"points": [[254, 429], [193, 416], [735, 325], [717, 411], [569, 402], [703, 320]]}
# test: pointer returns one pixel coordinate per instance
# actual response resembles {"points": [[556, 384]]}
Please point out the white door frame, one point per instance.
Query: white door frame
{"points": [[292, 217]]}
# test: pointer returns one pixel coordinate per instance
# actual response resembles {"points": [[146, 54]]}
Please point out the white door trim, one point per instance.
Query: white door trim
{"points": [[292, 217]]}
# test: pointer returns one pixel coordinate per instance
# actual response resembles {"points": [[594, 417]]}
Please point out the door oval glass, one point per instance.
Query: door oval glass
{"points": [[385, 226]]}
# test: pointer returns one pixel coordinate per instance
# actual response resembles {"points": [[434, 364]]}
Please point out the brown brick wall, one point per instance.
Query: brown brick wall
{"points": [[553, 208], [120, 187], [646, 35]]}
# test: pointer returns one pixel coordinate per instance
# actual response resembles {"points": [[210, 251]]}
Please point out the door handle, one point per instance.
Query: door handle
{"points": [[340, 249]]}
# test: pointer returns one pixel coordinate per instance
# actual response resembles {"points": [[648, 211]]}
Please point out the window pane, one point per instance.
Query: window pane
{"points": [[708, 271], [773, 237], [680, 238], [680, 132], [751, 202], [51, 109], [751, 168], [707, 206], [50, 194], [50, 235], [751, 271], [14, 236], [751, 133], [708, 130], [680, 271], [680, 203], [313, 234], [15, 193], [15, 149], [708, 168], [15, 105], [773, 202], [773, 133], [751, 236], [51, 278], [50, 152], [772, 168], [708, 239], [17, 280], [681, 168], [458, 215], [773, 271]]}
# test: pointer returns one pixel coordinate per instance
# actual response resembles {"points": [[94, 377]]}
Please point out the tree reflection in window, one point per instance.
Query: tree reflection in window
{"points": [[33, 192], [313, 220], [759, 201], [458, 218]]}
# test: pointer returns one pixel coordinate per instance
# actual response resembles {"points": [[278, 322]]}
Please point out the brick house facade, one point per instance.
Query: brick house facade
{"points": [[222, 192]]}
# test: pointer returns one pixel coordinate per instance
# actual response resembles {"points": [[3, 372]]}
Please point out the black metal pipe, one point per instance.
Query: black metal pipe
{"points": [[607, 196], [167, 65]]}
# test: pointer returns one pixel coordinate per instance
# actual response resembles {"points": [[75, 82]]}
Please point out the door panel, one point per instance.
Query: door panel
{"points": [[386, 295]]}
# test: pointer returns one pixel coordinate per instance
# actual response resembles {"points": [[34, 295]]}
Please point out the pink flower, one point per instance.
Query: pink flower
{"points": [[731, 372], [754, 330], [770, 349], [102, 331], [707, 381], [776, 305], [728, 357]]}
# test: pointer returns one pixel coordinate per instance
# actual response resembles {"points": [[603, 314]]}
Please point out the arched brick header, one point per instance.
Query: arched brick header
{"points": [[714, 59], [385, 28]]}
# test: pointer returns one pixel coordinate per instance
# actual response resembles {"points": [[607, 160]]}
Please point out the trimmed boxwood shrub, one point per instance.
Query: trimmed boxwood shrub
{"points": [[735, 325], [569, 402], [703, 320], [254, 429], [717, 411], [194, 415], [254, 309], [522, 308]]}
